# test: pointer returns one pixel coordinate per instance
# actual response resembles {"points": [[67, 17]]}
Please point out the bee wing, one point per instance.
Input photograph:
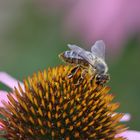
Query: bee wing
{"points": [[75, 48], [82, 53], [98, 49]]}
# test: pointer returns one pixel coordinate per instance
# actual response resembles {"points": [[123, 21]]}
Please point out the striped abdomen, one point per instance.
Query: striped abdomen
{"points": [[73, 58]]}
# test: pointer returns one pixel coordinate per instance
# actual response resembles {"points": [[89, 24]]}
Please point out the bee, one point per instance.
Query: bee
{"points": [[90, 62]]}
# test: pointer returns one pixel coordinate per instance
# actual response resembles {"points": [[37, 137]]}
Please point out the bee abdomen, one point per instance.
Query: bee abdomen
{"points": [[71, 54], [73, 58]]}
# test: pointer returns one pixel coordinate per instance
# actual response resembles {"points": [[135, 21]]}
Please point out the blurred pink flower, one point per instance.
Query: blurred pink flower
{"points": [[112, 21], [10, 82]]}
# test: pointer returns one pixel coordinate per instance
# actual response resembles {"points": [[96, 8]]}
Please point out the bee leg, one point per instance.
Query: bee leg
{"points": [[84, 72], [73, 72], [92, 79]]}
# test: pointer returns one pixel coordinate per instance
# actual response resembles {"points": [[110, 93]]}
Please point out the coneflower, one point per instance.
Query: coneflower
{"points": [[53, 107]]}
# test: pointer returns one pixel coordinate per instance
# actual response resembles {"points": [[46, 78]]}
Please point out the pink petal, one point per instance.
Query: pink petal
{"points": [[1, 126], [9, 81], [131, 135], [126, 117], [3, 97]]}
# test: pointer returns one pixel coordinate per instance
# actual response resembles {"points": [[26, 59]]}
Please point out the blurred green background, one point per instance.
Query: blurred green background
{"points": [[31, 39]]}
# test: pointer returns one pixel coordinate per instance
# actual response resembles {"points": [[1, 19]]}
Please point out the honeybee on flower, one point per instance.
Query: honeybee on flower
{"points": [[90, 62]]}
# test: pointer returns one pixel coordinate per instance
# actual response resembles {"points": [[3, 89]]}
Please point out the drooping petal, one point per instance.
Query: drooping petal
{"points": [[3, 97], [1, 126], [131, 135], [9, 80]]}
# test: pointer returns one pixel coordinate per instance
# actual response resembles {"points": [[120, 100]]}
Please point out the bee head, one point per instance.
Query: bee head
{"points": [[101, 67]]}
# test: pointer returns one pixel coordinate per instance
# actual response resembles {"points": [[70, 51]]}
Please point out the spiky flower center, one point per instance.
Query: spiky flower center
{"points": [[53, 107]]}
